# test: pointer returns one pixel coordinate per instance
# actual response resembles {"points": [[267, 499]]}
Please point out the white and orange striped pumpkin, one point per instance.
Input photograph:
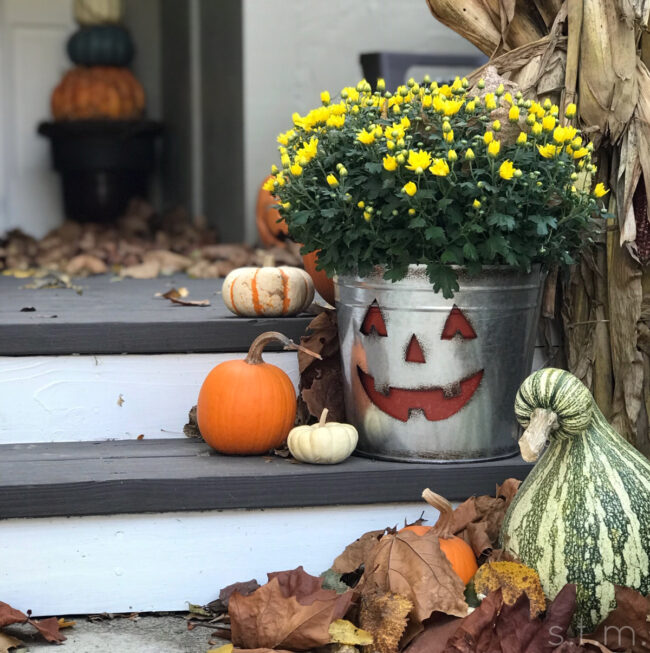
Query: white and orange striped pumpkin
{"points": [[268, 291]]}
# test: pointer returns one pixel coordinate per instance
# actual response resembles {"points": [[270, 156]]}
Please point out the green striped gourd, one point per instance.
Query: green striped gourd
{"points": [[583, 514]]}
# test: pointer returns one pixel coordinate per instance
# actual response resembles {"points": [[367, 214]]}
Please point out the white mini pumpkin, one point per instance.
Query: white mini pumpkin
{"points": [[268, 291], [322, 443], [97, 12]]}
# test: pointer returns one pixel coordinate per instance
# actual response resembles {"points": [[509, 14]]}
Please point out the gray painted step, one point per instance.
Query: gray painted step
{"points": [[115, 477], [115, 317]]}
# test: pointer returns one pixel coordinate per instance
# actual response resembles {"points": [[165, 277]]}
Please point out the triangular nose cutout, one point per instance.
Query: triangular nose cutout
{"points": [[414, 353]]}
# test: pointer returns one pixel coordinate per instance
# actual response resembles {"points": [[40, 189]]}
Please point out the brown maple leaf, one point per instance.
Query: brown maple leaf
{"points": [[355, 554], [9, 615], [291, 611], [49, 628], [414, 567], [626, 628]]}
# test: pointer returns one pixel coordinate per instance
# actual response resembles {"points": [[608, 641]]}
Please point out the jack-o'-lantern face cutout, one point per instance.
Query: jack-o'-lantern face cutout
{"points": [[436, 402]]}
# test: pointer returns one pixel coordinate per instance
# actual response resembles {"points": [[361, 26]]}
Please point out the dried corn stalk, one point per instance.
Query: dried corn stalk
{"points": [[594, 53]]}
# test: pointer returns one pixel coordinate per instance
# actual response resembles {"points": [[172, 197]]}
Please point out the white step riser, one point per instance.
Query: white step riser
{"points": [[76, 398], [142, 563]]}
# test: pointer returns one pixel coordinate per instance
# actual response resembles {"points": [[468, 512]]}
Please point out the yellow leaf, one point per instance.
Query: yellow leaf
{"points": [[8, 642], [18, 274], [226, 648], [66, 624], [345, 632]]}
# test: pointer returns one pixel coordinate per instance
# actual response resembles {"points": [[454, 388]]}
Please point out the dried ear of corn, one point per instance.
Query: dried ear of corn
{"points": [[595, 53]]}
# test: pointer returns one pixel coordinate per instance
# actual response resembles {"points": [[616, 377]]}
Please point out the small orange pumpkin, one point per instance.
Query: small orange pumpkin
{"points": [[458, 552], [98, 92], [323, 284], [248, 406], [271, 227]]}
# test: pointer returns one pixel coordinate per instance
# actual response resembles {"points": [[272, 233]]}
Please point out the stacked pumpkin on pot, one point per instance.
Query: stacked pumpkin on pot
{"points": [[100, 87]]}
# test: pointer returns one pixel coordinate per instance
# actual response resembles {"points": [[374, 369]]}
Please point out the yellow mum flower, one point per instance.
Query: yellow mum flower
{"points": [[449, 136], [493, 148], [284, 138], [488, 137], [580, 152], [405, 122], [361, 204], [570, 110], [440, 168], [452, 107], [336, 121], [600, 190], [367, 216], [390, 163], [325, 97], [508, 97], [411, 211], [427, 101], [452, 156], [549, 151], [269, 184], [496, 125], [548, 123], [308, 150], [296, 170], [438, 102], [576, 142], [537, 128], [490, 102], [513, 114], [274, 169], [410, 189], [418, 161], [522, 138], [537, 110], [476, 204], [470, 107], [367, 138], [280, 178], [469, 155], [332, 181], [506, 170], [285, 160]]}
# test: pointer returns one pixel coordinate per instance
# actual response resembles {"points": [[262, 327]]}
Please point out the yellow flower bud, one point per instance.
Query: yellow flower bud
{"points": [[522, 138], [296, 170], [481, 83], [570, 111], [513, 114], [469, 155], [496, 125], [452, 156], [537, 128], [488, 137], [381, 84], [411, 211], [493, 148], [367, 216], [361, 204], [332, 181], [410, 189], [325, 97], [274, 169], [500, 90], [476, 204]]}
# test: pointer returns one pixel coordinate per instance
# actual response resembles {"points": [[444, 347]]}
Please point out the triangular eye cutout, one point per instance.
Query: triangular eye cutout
{"points": [[457, 323], [414, 353], [374, 320]]}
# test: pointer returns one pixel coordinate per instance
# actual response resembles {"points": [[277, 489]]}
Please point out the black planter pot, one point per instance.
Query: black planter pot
{"points": [[103, 164]]}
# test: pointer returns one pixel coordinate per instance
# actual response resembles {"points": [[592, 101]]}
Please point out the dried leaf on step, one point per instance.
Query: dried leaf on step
{"points": [[149, 270], [356, 554], [343, 631], [191, 429], [7, 642], [169, 262], [189, 302], [9, 615], [85, 264], [63, 623], [49, 628], [177, 293], [321, 386], [321, 337], [291, 611], [413, 566], [384, 615], [513, 579], [626, 627]]}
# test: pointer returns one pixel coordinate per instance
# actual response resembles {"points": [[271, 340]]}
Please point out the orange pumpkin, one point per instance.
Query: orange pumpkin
{"points": [[272, 228], [458, 552], [323, 284], [98, 93], [248, 406]]}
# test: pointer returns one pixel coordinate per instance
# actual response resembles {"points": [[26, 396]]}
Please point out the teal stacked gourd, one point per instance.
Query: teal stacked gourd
{"points": [[583, 514], [100, 39]]}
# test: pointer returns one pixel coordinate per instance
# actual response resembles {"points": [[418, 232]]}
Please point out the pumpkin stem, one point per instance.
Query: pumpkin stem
{"points": [[323, 417], [543, 421], [442, 528], [254, 356]]}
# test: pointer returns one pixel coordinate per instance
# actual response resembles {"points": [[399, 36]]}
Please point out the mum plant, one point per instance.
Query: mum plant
{"points": [[444, 176]]}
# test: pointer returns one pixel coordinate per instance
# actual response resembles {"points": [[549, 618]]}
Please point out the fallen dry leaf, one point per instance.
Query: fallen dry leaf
{"points": [[66, 624], [495, 627], [290, 611], [437, 632], [414, 567], [513, 579], [343, 631], [626, 628], [384, 615], [8, 642], [168, 262], [9, 615], [49, 628], [148, 270], [86, 264], [190, 302], [120, 401], [178, 293], [355, 554]]}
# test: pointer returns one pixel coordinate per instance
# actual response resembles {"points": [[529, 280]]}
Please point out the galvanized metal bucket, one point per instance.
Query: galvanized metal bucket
{"points": [[429, 379]]}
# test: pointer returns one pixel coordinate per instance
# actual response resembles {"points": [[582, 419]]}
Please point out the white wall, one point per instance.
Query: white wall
{"points": [[294, 49]]}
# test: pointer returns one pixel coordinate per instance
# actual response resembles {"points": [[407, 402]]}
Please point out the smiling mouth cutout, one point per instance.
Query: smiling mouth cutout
{"points": [[435, 403]]}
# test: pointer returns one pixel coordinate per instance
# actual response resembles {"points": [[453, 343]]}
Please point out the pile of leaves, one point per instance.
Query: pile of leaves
{"points": [[48, 628], [393, 590], [141, 244]]}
